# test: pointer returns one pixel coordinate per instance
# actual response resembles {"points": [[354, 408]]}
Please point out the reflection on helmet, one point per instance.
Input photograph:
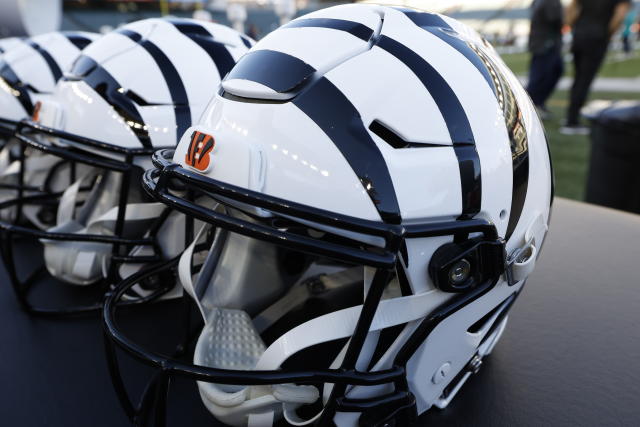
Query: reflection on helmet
{"points": [[78, 167], [397, 161]]}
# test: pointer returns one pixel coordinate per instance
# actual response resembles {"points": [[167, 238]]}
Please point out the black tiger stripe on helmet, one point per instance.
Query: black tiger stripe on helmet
{"points": [[437, 26], [448, 103], [217, 51], [54, 67], [98, 77], [332, 111], [105, 85], [23, 88], [172, 79], [79, 40], [10, 78]]}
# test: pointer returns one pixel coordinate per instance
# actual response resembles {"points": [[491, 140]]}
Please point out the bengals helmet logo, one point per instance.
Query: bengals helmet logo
{"points": [[36, 111], [199, 154]]}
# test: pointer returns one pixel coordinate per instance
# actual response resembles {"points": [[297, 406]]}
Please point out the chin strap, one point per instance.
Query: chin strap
{"points": [[69, 200], [5, 156], [341, 324], [36, 169], [36, 166], [333, 326], [83, 263], [259, 404], [186, 278]]}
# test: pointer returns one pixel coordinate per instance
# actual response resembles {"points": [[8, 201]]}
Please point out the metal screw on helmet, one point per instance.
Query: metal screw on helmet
{"points": [[459, 272], [475, 364], [315, 285], [47, 216]]}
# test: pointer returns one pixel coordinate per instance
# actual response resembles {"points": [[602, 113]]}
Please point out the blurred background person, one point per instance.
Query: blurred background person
{"points": [[253, 32], [626, 32], [593, 23], [545, 45]]}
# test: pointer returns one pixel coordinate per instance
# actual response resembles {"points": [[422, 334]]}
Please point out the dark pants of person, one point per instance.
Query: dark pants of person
{"points": [[587, 59], [544, 72], [626, 44]]}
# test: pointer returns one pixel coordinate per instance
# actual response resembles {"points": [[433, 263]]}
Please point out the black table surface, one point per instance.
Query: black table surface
{"points": [[570, 354]]}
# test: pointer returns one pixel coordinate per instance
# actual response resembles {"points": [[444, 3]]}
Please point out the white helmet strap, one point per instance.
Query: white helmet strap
{"points": [[330, 327], [87, 262], [36, 168], [184, 271], [67, 204]]}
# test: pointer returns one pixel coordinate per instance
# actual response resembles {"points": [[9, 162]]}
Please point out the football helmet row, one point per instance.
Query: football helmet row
{"points": [[351, 205], [73, 172]]}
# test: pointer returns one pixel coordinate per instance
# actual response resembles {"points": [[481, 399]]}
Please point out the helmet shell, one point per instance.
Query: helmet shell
{"points": [[30, 69], [391, 115], [143, 84]]}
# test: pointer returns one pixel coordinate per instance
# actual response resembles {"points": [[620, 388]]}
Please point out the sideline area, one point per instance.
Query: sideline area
{"points": [[571, 153], [619, 73], [601, 84], [619, 79], [617, 64]]}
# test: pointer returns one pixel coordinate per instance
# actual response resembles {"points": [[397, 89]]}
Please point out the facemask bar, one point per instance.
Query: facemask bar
{"points": [[399, 404], [27, 134]]}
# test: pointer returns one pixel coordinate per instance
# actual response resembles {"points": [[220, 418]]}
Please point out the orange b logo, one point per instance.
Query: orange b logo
{"points": [[199, 154], [36, 111]]}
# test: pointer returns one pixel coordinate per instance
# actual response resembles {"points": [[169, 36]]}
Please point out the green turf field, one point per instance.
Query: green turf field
{"points": [[615, 66], [570, 154]]}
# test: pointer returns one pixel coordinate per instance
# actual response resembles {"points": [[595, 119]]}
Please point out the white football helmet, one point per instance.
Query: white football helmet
{"points": [[130, 92], [394, 153], [29, 70], [8, 43]]}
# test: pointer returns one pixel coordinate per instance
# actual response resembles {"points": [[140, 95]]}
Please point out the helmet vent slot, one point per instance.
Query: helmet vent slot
{"points": [[137, 98], [393, 139], [387, 135]]}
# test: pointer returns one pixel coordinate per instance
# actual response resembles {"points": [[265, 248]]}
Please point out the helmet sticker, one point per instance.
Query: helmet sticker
{"points": [[36, 112], [198, 156]]}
